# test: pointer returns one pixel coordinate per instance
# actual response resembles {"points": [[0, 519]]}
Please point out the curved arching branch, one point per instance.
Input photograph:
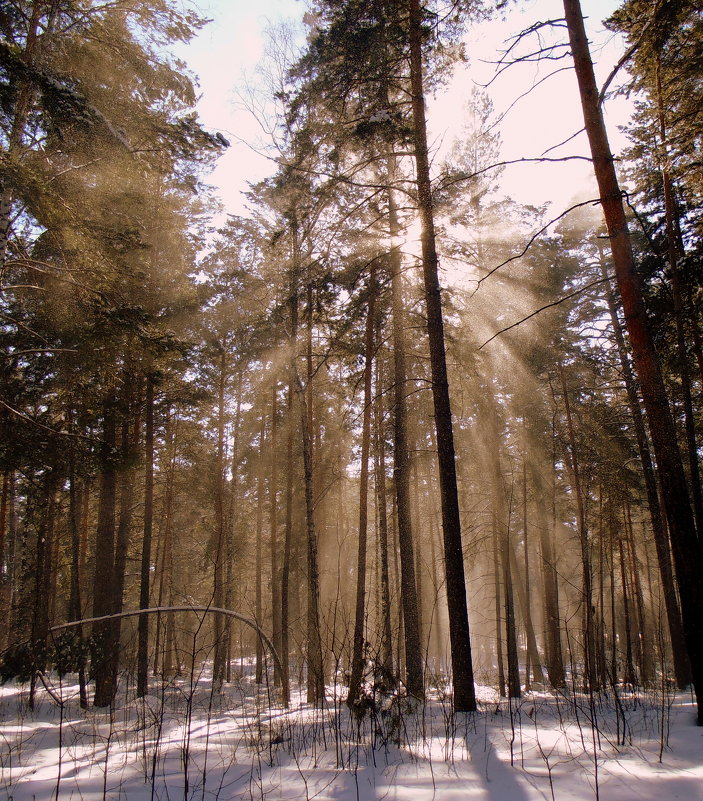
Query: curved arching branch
{"points": [[202, 609]]}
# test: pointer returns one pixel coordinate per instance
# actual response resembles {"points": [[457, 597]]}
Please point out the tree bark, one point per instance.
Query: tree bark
{"points": [[273, 533], [462, 668], [218, 589], [290, 432], [316, 677], [104, 582], [145, 570], [501, 534], [679, 315], [380, 468], [259, 601], [401, 460], [685, 544], [682, 669], [552, 625], [232, 525], [357, 666], [589, 641]]}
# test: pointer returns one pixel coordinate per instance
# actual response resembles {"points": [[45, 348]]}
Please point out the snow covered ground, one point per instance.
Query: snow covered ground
{"points": [[183, 742]]}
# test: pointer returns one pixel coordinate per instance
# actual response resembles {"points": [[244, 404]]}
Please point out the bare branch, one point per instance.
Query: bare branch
{"points": [[627, 55], [531, 241], [162, 609], [568, 139], [545, 307], [55, 431], [529, 160], [527, 92]]}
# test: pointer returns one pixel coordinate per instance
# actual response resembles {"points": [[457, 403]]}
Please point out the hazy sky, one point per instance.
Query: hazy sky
{"points": [[231, 47]]}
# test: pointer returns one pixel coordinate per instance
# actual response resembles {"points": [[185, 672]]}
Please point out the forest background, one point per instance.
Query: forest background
{"points": [[251, 411]]}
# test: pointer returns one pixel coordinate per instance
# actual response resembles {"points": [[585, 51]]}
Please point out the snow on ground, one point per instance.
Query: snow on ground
{"points": [[186, 742]]}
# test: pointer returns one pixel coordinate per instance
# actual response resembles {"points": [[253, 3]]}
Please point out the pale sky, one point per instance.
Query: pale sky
{"points": [[231, 47]]}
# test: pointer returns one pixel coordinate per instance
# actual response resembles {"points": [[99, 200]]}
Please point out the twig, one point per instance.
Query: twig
{"points": [[590, 202], [547, 306]]}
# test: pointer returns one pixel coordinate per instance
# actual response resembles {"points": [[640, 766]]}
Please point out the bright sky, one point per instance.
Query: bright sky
{"points": [[231, 47]]}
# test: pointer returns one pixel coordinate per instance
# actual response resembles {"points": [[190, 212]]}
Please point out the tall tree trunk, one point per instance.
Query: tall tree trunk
{"points": [[401, 460], [685, 544], [290, 432], [613, 613], [501, 533], [124, 525], [273, 534], [316, 677], [381, 495], [682, 668], [259, 563], [550, 581], [169, 659], [644, 651], [44, 566], [524, 598], [679, 313], [4, 560], [629, 672], [145, 569], [104, 582], [75, 499], [589, 642], [499, 617], [601, 658], [462, 668], [316, 674], [357, 666], [232, 526], [218, 589]]}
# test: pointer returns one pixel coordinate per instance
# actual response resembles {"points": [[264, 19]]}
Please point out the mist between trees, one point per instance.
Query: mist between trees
{"points": [[400, 486]]}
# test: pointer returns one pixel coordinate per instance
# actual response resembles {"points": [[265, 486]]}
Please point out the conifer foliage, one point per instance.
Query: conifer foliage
{"points": [[390, 433]]}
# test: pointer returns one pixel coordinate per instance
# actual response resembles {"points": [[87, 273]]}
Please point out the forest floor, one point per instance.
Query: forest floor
{"points": [[186, 742]]}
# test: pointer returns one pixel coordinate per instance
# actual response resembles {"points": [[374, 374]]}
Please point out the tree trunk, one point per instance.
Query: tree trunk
{"points": [[524, 598], [357, 666], [572, 461], [316, 674], [290, 432], [501, 534], [44, 566], [4, 560], [401, 460], [316, 677], [145, 571], [552, 625], [462, 668], [685, 544], [644, 651], [499, 633], [75, 499], [218, 589], [679, 315], [104, 582], [682, 668], [170, 665], [124, 525], [380, 468], [273, 534], [259, 601], [232, 525]]}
